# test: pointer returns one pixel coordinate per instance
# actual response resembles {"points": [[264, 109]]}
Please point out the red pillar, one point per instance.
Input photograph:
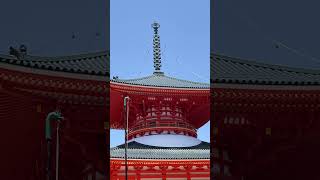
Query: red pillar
{"points": [[188, 175]]}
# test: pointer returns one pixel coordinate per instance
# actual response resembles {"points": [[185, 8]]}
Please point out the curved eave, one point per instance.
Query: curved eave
{"points": [[123, 87], [235, 71], [162, 81], [163, 159], [48, 73], [264, 87], [140, 145], [39, 83], [173, 154], [81, 65], [115, 160], [265, 82]]}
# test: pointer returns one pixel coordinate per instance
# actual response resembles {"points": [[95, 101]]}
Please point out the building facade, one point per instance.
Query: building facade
{"points": [[266, 117], [31, 87]]}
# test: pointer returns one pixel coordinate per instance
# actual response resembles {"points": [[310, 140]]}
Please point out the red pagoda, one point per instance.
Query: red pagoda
{"points": [[164, 115], [266, 117], [30, 88]]}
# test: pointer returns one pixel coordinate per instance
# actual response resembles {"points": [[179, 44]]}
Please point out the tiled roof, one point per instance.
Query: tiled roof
{"points": [[161, 80], [140, 151], [136, 145], [91, 63], [226, 69]]}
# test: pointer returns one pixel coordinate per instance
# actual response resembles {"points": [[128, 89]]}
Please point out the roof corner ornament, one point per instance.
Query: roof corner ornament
{"points": [[156, 49], [14, 52], [19, 54]]}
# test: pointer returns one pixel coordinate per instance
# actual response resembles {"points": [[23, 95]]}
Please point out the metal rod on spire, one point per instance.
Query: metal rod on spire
{"points": [[156, 49]]}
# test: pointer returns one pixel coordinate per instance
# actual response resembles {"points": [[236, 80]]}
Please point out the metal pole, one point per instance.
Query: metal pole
{"points": [[126, 107], [48, 159], [57, 151], [52, 116]]}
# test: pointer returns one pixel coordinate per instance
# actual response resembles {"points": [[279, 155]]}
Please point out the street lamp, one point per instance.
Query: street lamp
{"points": [[52, 116], [126, 117]]}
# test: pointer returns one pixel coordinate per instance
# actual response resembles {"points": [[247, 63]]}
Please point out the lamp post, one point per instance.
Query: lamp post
{"points": [[52, 116], [57, 150], [126, 109]]}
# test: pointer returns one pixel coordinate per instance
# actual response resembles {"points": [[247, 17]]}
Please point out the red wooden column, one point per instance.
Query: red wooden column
{"points": [[138, 169], [164, 172], [93, 174], [218, 120], [221, 161], [114, 171], [188, 168], [138, 175]]}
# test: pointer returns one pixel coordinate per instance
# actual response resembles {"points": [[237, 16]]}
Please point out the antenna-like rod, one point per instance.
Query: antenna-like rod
{"points": [[156, 49]]}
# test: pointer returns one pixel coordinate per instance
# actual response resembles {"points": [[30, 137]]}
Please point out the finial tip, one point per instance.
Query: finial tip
{"points": [[155, 25]]}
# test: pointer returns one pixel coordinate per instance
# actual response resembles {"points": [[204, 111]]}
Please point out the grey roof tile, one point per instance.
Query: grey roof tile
{"points": [[136, 145], [161, 80], [226, 69], [153, 152], [91, 63]]}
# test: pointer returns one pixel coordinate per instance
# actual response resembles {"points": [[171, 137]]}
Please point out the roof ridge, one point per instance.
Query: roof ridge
{"points": [[168, 148], [135, 143], [264, 65], [73, 57], [135, 81], [89, 63], [141, 78], [188, 80]]}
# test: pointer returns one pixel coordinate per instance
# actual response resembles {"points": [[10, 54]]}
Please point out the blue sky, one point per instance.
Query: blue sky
{"points": [[185, 42]]}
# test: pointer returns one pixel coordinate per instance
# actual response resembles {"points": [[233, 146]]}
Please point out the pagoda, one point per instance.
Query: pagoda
{"points": [[164, 114], [265, 118]]}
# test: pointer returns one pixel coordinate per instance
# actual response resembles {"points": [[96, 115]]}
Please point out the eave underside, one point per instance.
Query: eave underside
{"points": [[199, 100], [55, 88]]}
